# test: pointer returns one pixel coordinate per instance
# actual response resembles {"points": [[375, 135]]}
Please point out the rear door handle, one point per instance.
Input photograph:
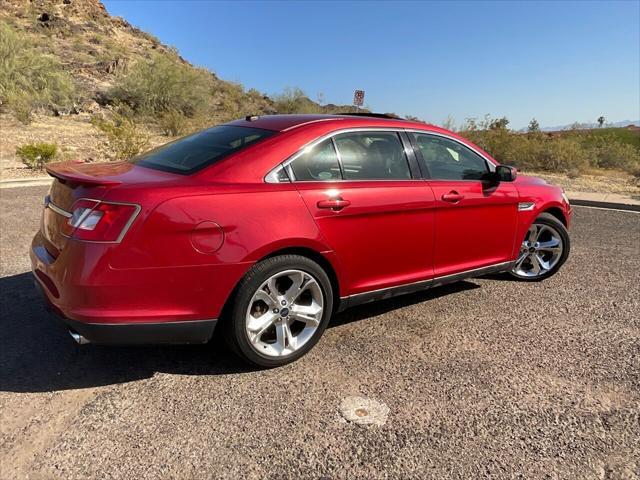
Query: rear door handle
{"points": [[452, 197], [334, 204]]}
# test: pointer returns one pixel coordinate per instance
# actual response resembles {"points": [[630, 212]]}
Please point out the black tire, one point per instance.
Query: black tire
{"points": [[234, 326], [550, 220]]}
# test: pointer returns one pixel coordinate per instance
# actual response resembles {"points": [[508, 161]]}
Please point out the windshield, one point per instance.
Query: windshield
{"points": [[190, 154]]}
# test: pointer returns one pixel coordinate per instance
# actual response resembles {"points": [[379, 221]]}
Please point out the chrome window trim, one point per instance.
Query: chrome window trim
{"points": [[490, 164], [364, 130], [287, 162]]}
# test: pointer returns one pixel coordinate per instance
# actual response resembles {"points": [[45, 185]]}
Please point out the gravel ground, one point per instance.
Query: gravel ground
{"points": [[485, 378]]}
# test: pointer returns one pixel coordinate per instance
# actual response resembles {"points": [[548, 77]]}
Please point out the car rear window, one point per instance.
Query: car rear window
{"points": [[190, 154]]}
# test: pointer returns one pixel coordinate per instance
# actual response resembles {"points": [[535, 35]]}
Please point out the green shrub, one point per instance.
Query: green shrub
{"points": [[172, 123], [30, 79], [22, 108], [294, 100], [609, 152], [124, 138], [571, 153], [231, 101], [37, 155], [163, 85]]}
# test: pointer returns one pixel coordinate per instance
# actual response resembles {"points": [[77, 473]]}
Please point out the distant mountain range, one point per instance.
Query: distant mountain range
{"points": [[583, 126]]}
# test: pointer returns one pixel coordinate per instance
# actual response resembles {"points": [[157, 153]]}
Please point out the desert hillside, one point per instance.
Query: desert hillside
{"points": [[77, 83], [87, 55]]}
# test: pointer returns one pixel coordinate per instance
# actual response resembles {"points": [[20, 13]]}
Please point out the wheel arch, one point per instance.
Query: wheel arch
{"points": [[557, 213], [317, 257], [327, 265]]}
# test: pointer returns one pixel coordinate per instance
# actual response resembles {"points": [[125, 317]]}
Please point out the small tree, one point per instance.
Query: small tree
{"points": [[172, 123], [30, 79], [600, 121], [534, 126], [499, 123], [294, 100], [124, 139], [162, 85], [449, 123]]}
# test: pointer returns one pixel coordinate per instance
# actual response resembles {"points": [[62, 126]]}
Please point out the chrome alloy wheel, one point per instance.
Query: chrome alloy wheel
{"points": [[541, 250], [284, 313]]}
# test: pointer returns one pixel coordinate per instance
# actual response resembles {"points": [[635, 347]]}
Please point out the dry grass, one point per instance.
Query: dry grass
{"points": [[599, 181], [77, 138]]}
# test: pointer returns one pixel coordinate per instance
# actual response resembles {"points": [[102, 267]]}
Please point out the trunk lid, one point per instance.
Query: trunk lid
{"points": [[76, 180]]}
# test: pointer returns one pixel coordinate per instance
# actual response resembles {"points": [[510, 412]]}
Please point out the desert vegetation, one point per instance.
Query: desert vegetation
{"points": [[64, 58], [124, 137], [29, 79], [572, 152], [37, 155]]}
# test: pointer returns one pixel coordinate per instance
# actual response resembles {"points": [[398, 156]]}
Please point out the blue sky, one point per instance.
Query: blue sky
{"points": [[559, 62]]}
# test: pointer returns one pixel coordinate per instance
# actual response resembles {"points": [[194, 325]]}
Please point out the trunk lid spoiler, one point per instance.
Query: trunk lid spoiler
{"points": [[72, 172]]}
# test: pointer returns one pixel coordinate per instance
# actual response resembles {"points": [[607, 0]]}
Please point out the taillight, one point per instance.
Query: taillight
{"points": [[99, 221]]}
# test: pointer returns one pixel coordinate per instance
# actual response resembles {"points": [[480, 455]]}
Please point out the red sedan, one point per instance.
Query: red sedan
{"points": [[262, 228]]}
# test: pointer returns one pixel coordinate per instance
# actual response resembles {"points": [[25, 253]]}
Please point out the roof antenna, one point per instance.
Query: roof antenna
{"points": [[251, 118]]}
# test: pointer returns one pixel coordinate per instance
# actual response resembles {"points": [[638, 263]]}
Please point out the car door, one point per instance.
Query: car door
{"points": [[364, 192], [475, 219]]}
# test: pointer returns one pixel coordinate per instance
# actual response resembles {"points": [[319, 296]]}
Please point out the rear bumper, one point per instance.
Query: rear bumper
{"points": [[190, 332], [175, 305], [133, 333]]}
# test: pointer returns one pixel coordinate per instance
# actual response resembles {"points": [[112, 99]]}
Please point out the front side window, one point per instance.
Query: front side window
{"points": [[317, 164], [372, 156], [190, 154], [447, 159]]}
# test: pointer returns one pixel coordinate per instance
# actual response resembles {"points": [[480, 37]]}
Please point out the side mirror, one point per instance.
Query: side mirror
{"points": [[505, 173]]}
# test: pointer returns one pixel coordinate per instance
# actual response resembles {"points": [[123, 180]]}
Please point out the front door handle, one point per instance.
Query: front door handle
{"points": [[452, 197], [334, 204]]}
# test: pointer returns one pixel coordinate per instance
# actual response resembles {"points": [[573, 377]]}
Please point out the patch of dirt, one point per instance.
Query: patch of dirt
{"points": [[599, 182], [76, 138]]}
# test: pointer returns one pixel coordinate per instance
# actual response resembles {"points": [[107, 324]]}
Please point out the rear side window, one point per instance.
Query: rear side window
{"points": [[319, 163], [190, 154], [449, 160], [353, 156], [372, 156]]}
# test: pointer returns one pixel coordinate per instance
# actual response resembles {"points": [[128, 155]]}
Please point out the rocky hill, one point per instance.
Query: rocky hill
{"points": [[93, 55], [91, 45]]}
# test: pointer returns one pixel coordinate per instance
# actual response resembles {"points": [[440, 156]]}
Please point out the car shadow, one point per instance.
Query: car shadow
{"points": [[38, 355], [501, 277]]}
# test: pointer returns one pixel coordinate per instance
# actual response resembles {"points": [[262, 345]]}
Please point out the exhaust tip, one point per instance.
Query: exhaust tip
{"points": [[79, 339]]}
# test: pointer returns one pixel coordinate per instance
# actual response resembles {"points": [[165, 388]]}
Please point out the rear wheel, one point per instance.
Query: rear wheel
{"points": [[281, 309], [544, 249]]}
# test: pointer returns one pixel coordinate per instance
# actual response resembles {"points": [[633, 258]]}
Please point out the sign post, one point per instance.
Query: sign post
{"points": [[358, 98]]}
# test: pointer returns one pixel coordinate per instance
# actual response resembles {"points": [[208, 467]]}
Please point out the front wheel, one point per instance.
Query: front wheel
{"points": [[282, 307], [544, 249]]}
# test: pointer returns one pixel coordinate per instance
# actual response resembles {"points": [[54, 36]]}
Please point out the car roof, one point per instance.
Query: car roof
{"points": [[282, 123]]}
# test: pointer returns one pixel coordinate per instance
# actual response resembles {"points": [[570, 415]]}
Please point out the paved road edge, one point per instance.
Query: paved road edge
{"points": [[25, 182], [604, 200], [607, 205]]}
